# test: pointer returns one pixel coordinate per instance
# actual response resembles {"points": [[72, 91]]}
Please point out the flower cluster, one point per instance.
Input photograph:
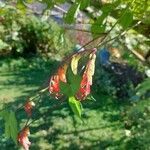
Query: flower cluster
{"points": [[86, 81]]}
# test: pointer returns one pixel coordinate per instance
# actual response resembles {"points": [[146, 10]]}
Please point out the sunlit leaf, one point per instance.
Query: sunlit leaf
{"points": [[84, 4], [126, 20], [75, 106], [20, 5], [59, 1]]}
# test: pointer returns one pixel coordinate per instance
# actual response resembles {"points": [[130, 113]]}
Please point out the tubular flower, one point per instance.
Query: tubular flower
{"points": [[86, 81], [28, 107], [84, 88], [62, 73], [23, 138], [54, 88]]}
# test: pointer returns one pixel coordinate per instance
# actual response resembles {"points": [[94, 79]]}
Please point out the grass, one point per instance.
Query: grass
{"points": [[101, 127]]}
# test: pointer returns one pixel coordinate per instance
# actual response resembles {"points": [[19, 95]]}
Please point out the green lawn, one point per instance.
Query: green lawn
{"points": [[101, 127]]}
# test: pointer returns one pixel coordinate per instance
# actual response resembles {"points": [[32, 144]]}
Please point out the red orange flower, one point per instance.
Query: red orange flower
{"points": [[23, 138], [54, 88], [28, 107], [86, 82], [84, 88]]}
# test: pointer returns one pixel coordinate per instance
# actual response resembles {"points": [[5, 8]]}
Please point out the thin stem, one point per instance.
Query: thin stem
{"points": [[39, 93], [30, 99], [120, 34], [49, 111], [109, 30], [82, 30]]}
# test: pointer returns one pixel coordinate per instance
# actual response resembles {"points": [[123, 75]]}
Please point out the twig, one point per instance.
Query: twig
{"points": [[49, 111], [82, 30]]}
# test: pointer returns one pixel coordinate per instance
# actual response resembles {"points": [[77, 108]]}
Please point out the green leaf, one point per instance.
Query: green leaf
{"points": [[109, 7], [49, 3], [65, 89], [73, 84], [72, 13], [98, 26], [60, 1], [74, 81], [20, 5], [97, 29], [126, 20], [30, 1], [10, 124], [13, 126], [143, 87], [7, 130], [76, 106], [5, 114], [84, 4]]}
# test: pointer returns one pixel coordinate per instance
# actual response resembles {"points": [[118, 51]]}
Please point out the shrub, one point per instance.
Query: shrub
{"points": [[23, 35]]}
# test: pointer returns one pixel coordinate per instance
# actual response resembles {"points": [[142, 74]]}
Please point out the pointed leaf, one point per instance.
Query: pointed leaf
{"points": [[75, 106], [5, 115], [98, 26], [7, 130], [49, 3], [65, 89], [74, 81], [84, 4], [20, 5], [143, 87], [13, 126], [72, 13], [126, 20]]}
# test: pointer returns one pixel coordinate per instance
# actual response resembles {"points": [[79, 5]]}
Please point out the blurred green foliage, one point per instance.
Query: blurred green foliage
{"points": [[104, 120], [112, 122], [24, 34]]}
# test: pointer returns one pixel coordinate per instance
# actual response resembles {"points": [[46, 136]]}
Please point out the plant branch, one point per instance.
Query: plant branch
{"points": [[50, 110]]}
